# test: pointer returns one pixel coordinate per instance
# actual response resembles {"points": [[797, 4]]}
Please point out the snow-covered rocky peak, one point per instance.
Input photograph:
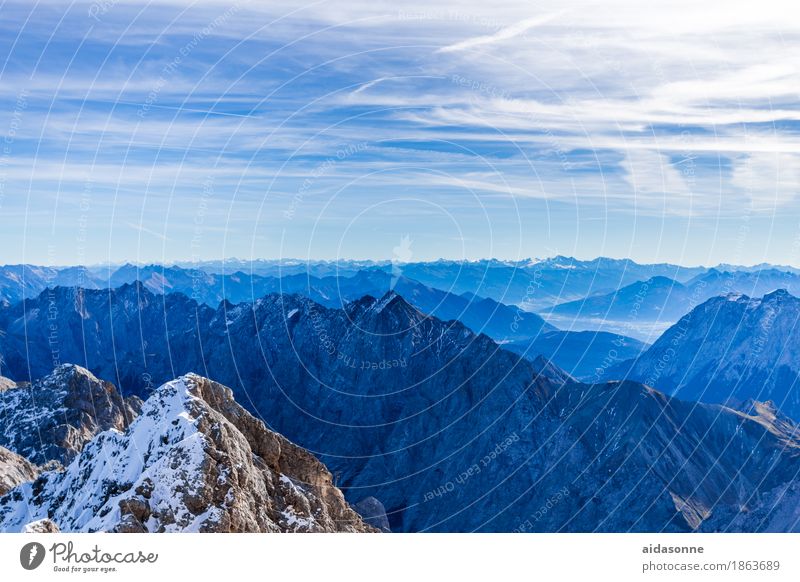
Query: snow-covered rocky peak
{"points": [[14, 470], [193, 460], [52, 419], [5, 384]]}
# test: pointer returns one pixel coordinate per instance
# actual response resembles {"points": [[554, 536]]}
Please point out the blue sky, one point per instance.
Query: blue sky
{"points": [[179, 130]]}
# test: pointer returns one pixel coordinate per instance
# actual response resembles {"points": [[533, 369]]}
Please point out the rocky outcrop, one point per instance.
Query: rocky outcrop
{"points": [[14, 470], [53, 418], [194, 460], [41, 526], [374, 513], [5, 384]]}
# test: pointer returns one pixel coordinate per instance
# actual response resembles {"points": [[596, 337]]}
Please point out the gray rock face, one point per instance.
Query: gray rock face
{"points": [[14, 470], [728, 350], [52, 419], [127, 335], [194, 460], [374, 513]]}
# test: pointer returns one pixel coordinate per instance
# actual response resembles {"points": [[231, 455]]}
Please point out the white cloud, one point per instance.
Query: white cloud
{"points": [[503, 34], [769, 180]]}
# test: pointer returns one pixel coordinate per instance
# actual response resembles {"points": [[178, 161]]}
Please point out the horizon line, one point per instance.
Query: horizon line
{"points": [[182, 263]]}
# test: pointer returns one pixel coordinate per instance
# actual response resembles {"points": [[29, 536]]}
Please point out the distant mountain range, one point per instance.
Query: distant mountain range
{"points": [[730, 349], [438, 425], [532, 283], [665, 300]]}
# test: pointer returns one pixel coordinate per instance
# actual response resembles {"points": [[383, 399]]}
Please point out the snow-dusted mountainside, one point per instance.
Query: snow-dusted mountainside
{"points": [[730, 349], [624, 458], [193, 460], [51, 419], [14, 470]]}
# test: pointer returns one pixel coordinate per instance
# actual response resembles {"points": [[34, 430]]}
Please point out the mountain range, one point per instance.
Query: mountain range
{"points": [[532, 283], [664, 300], [440, 426], [580, 354]]}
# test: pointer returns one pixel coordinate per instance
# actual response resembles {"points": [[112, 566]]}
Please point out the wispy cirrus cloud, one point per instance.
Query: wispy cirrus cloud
{"points": [[516, 104], [506, 33]]}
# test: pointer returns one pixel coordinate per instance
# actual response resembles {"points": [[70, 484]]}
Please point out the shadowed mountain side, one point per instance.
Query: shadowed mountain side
{"points": [[445, 429], [730, 349]]}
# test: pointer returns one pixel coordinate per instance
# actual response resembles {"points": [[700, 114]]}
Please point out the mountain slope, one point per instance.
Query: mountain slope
{"points": [[729, 349], [14, 470], [52, 419], [120, 334], [193, 460], [654, 299], [679, 464]]}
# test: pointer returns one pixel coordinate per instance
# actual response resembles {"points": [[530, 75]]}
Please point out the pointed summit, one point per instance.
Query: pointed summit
{"points": [[544, 367], [389, 299], [193, 461], [394, 310]]}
